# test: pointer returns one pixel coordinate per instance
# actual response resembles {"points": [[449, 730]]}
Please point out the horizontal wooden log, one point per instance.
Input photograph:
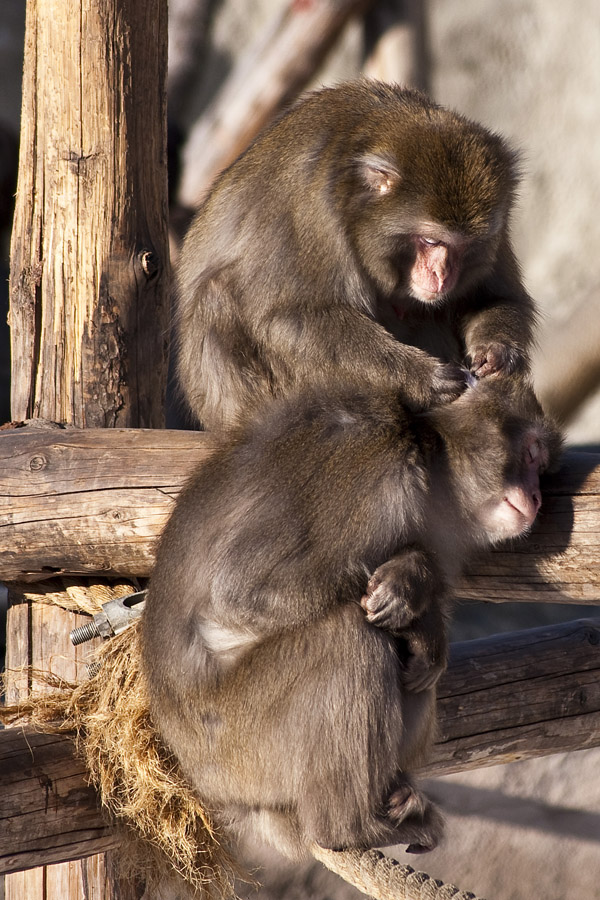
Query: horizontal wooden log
{"points": [[504, 698], [94, 501], [88, 502], [517, 695], [48, 813]]}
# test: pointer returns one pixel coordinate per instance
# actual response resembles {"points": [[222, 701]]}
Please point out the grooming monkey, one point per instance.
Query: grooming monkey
{"points": [[362, 238], [294, 627]]}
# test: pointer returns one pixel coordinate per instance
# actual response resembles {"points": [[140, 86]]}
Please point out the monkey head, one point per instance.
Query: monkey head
{"points": [[434, 195], [500, 442]]}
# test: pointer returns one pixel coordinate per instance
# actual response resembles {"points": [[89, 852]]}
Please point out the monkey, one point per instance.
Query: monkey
{"points": [[294, 629], [363, 237]]}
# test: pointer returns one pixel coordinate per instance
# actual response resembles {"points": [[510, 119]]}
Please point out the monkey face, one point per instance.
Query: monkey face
{"points": [[436, 268], [513, 511], [442, 195]]}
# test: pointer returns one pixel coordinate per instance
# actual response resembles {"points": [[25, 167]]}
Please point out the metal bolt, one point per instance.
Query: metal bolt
{"points": [[85, 633]]}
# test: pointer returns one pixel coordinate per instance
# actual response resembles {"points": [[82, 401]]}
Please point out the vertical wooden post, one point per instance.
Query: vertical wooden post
{"points": [[89, 278], [89, 258]]}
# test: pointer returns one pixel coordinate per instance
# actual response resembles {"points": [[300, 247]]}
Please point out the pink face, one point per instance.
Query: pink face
{"points": [[436, 268], [515, 513]]}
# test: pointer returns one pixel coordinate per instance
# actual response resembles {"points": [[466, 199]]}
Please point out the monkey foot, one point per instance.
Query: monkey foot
{"points": [[406, 801]]}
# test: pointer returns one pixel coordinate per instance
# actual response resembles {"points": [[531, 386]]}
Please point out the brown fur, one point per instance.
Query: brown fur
{"points": [[297, 270], [291, 709]]}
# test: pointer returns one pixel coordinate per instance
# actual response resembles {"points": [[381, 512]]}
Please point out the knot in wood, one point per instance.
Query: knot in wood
{"points": [[150, 263], [37, 462]]}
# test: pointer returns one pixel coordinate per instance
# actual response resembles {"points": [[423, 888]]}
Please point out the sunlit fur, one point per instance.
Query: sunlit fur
{"points": [[295, 623], [302, 266]]}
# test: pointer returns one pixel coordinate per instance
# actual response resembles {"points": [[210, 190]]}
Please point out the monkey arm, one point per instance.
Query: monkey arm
{"points": [[407, 596], [332, 343], [499, 323], [426, 641], [497, 339]]}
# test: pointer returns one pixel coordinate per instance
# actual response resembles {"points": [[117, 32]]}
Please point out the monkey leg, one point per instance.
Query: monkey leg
{"points": [[423, 649], [305, 739], [369, 731]]}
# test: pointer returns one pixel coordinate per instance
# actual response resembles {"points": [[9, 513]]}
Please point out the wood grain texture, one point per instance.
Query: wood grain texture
{"points": [[88, 501], [89, 254], [89, 300], [95, 502], [521, 694], [509, 697]]}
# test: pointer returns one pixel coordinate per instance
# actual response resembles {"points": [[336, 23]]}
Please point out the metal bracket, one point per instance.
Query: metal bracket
{"points": [[115, 616]]}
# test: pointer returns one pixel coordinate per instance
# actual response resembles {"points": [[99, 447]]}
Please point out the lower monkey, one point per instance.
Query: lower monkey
{"points": [[294, 628]]}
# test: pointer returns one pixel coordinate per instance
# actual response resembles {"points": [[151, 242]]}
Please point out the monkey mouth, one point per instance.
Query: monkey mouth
{"points": [[523, 518], [512, 506], [425, 295]]}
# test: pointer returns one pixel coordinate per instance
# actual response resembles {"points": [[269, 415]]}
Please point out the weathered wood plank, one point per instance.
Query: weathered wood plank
{"points": [[95, 501], [508, 697], [48, 812], [526, 693], [89, 275], [89, 287], [88, 501]]}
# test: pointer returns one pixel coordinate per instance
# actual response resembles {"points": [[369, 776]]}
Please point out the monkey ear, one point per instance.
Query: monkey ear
{"points": [[380, 173]]}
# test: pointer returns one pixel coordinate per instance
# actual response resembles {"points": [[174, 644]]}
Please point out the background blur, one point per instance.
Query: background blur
{"points": [[530, 69]]}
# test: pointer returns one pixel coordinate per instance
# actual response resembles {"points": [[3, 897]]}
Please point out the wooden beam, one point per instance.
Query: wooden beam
{"points": [[48, 812], [89, 271], [88, 501], [95, 501], [504, 698]]}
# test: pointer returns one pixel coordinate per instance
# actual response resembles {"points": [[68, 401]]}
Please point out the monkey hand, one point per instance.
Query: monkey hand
{"points": [[398, 590], [436, 383], [495, 358]]}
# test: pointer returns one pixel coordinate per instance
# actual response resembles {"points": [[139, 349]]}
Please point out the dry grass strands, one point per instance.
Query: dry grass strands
{"points": [[139, 783]]}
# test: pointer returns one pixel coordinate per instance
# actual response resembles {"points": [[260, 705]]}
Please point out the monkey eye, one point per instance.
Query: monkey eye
{"points": [[431, 242], [533, 451]]}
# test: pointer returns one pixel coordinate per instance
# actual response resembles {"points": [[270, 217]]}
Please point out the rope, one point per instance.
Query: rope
{"points": [[384, 878]]}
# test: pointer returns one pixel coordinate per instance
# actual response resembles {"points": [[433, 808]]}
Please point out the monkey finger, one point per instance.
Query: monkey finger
{"points": [[485, 370], [448, 383], [495, 359], [374, 582], [406, 801], [386, 609]]}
